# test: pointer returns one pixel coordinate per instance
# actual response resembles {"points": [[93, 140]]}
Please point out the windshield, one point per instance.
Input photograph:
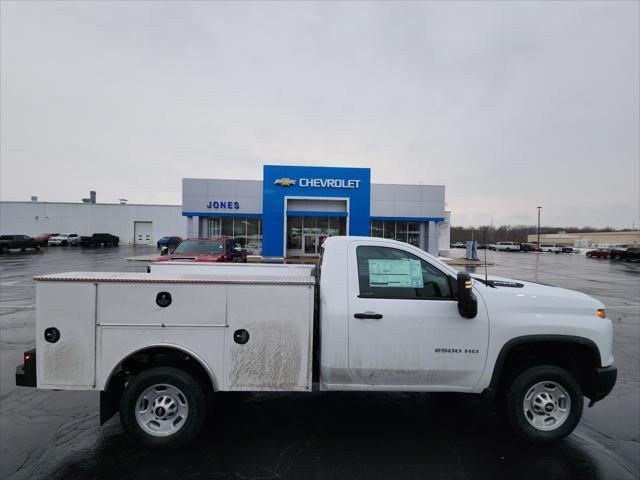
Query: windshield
{"points": [[212, 248], [63, 235]]}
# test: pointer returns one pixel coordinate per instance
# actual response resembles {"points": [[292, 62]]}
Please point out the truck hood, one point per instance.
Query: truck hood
{"points": [[188, 257], [536, 296]]}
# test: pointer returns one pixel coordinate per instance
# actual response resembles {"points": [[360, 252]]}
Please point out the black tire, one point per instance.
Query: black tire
{"points": [[4, 249], [515, 398], [195, 399]]}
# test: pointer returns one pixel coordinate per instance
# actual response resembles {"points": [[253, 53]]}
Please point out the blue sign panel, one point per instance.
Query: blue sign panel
{"points": [[305, 182]]}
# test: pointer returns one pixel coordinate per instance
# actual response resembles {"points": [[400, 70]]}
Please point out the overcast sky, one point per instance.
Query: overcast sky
{"points": [[510, 105]]}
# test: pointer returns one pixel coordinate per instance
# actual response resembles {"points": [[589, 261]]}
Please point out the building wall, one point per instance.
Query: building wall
{"points": [[207, 197], [34, 218], [444, 235], [588, 239], [418, 201]]}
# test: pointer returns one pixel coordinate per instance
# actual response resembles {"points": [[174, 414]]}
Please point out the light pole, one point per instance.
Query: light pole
{"points": [[539, 208]]}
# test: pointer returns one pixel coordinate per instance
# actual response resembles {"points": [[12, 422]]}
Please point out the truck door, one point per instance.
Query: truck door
{"points": [[404, 325]]}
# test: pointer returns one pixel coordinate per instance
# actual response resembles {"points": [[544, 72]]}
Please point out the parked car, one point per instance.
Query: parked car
{"points": [[168, 242], [206, 250], [599, 253], [616, 253], [627, 255], [43, 238], [533, 351], [458, 245], [507, 247], [14, 242], [550, 247], [64, 239], [568, 250], [529, 247], [98, 239]]}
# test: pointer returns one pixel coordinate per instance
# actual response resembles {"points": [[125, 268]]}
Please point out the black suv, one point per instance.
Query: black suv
{"points": [[9, 242], [98, 239]]}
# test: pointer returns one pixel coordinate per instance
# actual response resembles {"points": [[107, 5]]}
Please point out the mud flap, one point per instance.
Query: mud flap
{"points": [[110, 399]]}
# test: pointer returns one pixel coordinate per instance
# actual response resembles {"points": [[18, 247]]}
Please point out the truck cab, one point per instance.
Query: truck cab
{"points": [[398, 308]]}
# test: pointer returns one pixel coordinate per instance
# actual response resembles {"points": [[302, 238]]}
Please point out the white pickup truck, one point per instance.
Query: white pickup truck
{"points": [[376, 315]]}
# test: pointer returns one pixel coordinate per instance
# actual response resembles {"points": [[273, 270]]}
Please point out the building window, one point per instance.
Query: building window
{"points": [[246, 231], [408, 232], [377, 228], [294, 233], [413, 234]]}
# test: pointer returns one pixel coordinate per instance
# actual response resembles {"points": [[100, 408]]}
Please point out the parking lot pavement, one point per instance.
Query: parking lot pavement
{"points": [[55, 435]]}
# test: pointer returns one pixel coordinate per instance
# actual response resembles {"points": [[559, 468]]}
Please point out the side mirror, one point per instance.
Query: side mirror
{"points": [[467, 301], [164, 250]]}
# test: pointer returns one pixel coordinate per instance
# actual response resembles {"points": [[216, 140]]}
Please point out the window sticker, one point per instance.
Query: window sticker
{"points": [[403, 273]]}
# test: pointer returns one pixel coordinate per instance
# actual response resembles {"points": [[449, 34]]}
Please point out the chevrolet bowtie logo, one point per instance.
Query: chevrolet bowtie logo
{"points": [[285, 182]]}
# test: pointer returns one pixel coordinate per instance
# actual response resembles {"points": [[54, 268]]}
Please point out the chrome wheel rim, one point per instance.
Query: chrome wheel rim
{"points": [[546, 405], [162, 410]]}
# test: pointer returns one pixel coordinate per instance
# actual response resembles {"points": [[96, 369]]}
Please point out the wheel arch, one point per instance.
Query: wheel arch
{"points": [[143, 358], [579, 355]]}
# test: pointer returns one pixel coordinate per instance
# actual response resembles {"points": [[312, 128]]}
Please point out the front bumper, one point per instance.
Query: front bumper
{"points": [[605, 379], [26, 373]]}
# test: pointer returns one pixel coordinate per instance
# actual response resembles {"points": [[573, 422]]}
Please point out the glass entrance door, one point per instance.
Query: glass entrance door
{"points": [[310, 244], [305, 235]]}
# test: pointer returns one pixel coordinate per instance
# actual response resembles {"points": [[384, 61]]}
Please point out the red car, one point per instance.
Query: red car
{"points": [[43, 239], [206, 250], [600, 253]]}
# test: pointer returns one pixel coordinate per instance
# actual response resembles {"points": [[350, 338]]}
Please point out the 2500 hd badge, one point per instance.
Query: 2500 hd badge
{"points": [[457, 350]]}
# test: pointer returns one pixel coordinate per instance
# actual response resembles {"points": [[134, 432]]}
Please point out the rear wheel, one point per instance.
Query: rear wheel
{"points": [[544, 404], [163, 408]]}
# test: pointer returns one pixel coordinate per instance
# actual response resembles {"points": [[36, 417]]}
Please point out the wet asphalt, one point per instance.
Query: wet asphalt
{"points": [[56, 435]]}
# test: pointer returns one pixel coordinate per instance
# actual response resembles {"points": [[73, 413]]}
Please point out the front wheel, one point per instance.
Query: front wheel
{"points": [[163, 408], [544, 404]]}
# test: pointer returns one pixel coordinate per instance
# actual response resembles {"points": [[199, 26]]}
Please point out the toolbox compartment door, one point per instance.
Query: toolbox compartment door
{"points": [[269, 339], [69, 361]]}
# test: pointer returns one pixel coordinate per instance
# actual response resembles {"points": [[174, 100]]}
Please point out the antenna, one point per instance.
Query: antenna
{"points": [[484, 240]]}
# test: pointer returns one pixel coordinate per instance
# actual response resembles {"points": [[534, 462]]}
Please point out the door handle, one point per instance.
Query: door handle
{"points": [[368, 315]]}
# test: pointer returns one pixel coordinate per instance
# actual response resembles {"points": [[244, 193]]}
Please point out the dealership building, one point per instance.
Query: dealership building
{"points": [[293, 209], [288, 213]]}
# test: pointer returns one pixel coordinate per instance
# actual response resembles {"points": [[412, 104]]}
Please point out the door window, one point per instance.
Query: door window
{"points": [[385, 272]]}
